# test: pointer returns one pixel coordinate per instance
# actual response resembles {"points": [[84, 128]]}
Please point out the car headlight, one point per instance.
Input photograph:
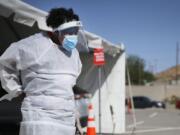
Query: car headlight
{"points": [[159, 104]]}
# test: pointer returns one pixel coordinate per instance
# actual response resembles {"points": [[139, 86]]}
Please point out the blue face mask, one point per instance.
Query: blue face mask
{"points": [[70, 42]]}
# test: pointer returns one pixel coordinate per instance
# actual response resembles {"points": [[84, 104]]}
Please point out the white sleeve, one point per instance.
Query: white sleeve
{"points": [[9, 72], [79, 66]]}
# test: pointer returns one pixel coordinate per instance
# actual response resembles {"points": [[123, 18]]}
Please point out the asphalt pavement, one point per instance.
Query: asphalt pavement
{"points": [[153, 121]]}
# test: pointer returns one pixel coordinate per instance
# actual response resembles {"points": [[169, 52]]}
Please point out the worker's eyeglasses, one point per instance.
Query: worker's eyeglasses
{"points": [[70, 31]]}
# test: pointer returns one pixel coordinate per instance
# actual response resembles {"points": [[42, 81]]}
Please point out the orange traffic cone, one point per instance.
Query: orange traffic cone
{"points": [[91, 130]]}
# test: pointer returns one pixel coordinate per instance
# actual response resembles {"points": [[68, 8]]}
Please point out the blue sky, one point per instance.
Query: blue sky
{"points": [[149, 29]]}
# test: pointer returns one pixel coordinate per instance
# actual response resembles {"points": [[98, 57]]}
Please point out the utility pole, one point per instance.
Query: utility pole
{"points": [[155, 66], [177, 61]]}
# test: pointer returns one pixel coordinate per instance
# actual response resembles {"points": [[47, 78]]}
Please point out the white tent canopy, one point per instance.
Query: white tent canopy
{"points": [[23, 13], [19, 20]]}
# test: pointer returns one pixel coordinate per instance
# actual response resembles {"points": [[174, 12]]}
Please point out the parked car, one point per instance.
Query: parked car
{"points": [[178, 104], [146, 102]]}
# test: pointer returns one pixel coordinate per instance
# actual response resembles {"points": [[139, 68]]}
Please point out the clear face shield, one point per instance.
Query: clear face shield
{"points": [[75, 33], [82, 44]]}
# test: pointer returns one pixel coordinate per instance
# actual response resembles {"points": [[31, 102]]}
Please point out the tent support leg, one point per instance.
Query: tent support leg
{"points": [[99, 70]]}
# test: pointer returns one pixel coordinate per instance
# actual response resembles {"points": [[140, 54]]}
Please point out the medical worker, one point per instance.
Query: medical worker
{"points": [[45, 67]]}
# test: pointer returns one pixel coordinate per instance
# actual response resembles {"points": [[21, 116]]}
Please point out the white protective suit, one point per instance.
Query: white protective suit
{"points": [[46, 73]]}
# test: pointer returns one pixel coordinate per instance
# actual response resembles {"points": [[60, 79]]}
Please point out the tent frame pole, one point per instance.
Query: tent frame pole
{"points": [[99, 82]]}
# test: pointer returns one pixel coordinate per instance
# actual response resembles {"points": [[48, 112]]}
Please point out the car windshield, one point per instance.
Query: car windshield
{"points": [[142, 99], [147, 98]]}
